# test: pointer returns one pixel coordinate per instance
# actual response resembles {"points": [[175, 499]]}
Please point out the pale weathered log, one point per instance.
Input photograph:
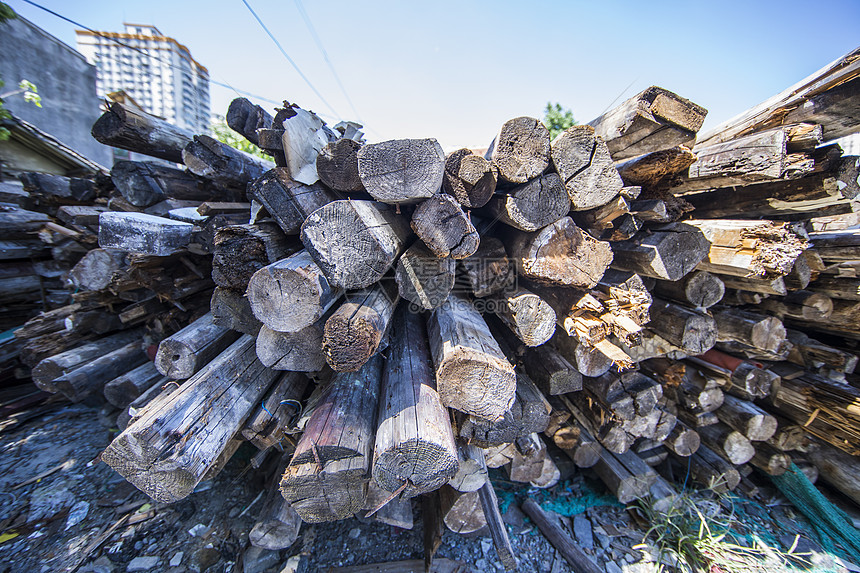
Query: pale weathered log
{"points": [[700, 289], [729, 443], [143, 234], [353, 332], [267, 426], [625, 475], [812, 353], [532, 205], [756, 330], [800, 305], [712, 471], [691, 330], [245, 118], [602, 218], [300, 351], [837, 287], [402, 170], [521, 150], [651, 168], [585, 166], [667, 252], [414, 441], [747, 418], [291, 294], [304, 135], [228, 167], [461, 511], [471, 474], [95, 270], [337, 166], [89, 378], [288, 201], [278, 524], [182, 354], [122, 390], [682, 440], [443, 226], [231, 309], [774, 285], [560, 253], [472, 374], [355, 242], [551, 372], [326, 479], [652, 120], [469, 178], [525, 313], [135, 130], [770, 460], [423, 278], [170, 447], [488, 270]]}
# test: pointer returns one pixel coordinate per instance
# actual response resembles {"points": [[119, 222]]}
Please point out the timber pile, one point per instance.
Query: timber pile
{"points": [[382, 321]]}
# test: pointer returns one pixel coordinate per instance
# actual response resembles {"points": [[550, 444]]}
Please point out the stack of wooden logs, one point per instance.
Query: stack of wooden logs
{"points": [[389, 321]]}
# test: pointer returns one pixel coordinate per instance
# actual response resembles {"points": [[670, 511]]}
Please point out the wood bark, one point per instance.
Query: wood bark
{"points": [[424, 279], [585, 166], [286, 200], [353, 333], [443, 226], [532, 205], [135, 130], [521, 150], [186, 352], [402, 170], [469, 178]]}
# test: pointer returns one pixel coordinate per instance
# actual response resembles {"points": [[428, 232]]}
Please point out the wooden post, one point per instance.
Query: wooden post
{"points": [[354, 331], [837, 468], [122, 390], [288, 201], [402, 170], [299, 351], [58, 189], [143, 234], [330, 232], [525, 313], [326, 479], [585, 166], [414, 442], [559, 539], [532, 205], [168, 450], [747, 418], [654, 167], [145, 183], [763, 332], [488, 270], [472, 374], [700, 289], [231, 309], [245, 118], [337, 166], [291, 294], [186, 352], [712, 471], [728, 443], [241, 250], [469, 178], [136, 130], [209, 158], [625, 475], [90, 378], [443, 226], [667, 252], [521, 150], [267, 426], [561, 254], [423, 278], [801, 305], [693, 331], [551, 371], [95, 270]]}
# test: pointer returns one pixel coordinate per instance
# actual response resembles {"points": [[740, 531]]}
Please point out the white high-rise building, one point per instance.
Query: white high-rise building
{"points": [[157, 71]]}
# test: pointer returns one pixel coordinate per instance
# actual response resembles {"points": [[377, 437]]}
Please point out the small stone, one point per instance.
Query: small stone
{"points": [[612, 567], [486, 545], [354, 533], [629, 558], [138, 545], [143, 563], [582, 531], [207, 557], [176, 560], [234, 512], [481, 564]]}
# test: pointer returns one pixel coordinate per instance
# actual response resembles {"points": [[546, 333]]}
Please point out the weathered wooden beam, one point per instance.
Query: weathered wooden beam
{"points": [[135, 130], [700, 289], [183, 354], [667, 252], [122, 390], [245, 118], [424, 279], [469, 178], [89, 378], [691, 330], [525, 313], [231, 309], [299, 351], [402, 170], [266, 427], [652, 168], [532, 205], [728, 443], [229, 167], [443, 226], [552, 373], [585, 166], [143, 234], [354, 331], [241, 250], [461, 511], [286, 200], [521, 149]]}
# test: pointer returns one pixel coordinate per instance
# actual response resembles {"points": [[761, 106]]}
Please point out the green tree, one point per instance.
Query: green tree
{"points": [[25, 88], [557, 119], [222, 132]]}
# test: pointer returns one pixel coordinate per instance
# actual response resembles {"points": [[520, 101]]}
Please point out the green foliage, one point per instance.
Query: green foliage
{"points": [[557, 119], [6, 13], [222, 132]]}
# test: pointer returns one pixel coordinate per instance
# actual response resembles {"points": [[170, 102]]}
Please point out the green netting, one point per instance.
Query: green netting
{"points": [[564, 498], [836, 533]]}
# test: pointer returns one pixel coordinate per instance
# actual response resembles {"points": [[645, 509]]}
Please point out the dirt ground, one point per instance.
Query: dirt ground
{"points": [[63, 510]]}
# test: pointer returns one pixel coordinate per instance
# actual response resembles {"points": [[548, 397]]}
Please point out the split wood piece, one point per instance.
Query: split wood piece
{"points": [[245, 118], [625, 475], [579, 445], [145, 183], [228, 167], [602, 218], [231, 309], [521, 150], [625, 229], [59, 189], [654, 167], [583, 162], [461, 511], [337, 166], [424, 279], [837, 287], [355, 242], [626, 394], [241, 250], [598, 422], [758, 331], [396, 512], [80, 215], [728, 443], [812, 353], [525, 313], [267, 426], [353, 333], [414, 441], [762, 249], [652, 120], [712, 471], [23, 249], [95, 270], [551, 372], [18, 223], [288, 201], [559, 539], [770, 460], [98, 321], [700, 289], [471, 474], [775, 285], [532, 205], [299, 351], [171, 446], [469, 178], [402, 170], [747, 418], [588, 361], [550, 474], [693, 331], [697, 392], [158, 391], [304, 136], [472, 373], [789, 436], [186, 352], [49, 369], [326, 479], [561, 254], [497, 527], [291, 294], [143, 234], [529, 413], [682, 440], [279, 524], [498, 456], [135, 130], [488, 270], [122, 390], [89, 378], [801, 305], [838, 469], [667, 252], [528, 462], [443, 226], [209, 208]]}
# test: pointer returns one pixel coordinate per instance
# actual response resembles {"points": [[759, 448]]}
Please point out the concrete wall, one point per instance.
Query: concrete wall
{"points": [[64, 79]]}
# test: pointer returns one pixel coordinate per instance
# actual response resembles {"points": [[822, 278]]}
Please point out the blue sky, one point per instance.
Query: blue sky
{"points": [[457, 70]]}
